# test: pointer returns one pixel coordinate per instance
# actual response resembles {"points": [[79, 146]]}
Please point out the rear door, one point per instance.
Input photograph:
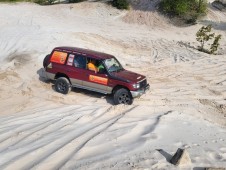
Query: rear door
{"points": [[76, 67], [56, 64]]}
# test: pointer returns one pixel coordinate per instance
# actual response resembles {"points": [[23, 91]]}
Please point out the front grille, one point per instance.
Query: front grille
{"points": [[143, 83]]}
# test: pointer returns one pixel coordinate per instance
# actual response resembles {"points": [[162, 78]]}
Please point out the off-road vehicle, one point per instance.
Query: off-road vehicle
{"points": [[94, 71]]}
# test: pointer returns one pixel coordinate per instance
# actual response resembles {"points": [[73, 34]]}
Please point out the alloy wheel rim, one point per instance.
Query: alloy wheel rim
{"points": [[124, 98], [62, 86]]}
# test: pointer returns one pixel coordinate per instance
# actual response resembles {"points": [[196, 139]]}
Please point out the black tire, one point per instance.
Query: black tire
{"points": [[122, 96], [62, 85], [45, 61]]}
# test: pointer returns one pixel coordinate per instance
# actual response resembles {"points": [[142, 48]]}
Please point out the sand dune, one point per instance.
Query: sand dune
{"points": [[185, 107]]}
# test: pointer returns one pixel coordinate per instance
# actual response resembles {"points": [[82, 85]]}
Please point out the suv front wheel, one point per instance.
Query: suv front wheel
{"points": [[62, 85], [122, 96]]}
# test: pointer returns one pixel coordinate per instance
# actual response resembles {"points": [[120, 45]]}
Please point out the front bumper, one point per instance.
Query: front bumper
{"points": [[139, 92]]}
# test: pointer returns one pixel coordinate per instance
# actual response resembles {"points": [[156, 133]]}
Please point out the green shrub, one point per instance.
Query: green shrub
{"points": [[174, 7], [44, 2], [12, 1], [120, 4], [189, 10], [215, 45], [50, 2], [202, 7], [40, 2], [75, 1], [204, 35]]}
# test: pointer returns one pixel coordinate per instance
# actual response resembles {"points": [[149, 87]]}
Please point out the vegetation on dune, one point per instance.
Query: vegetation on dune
{"points": [[45, 2], [75, 1], [40, 2], [203, 35], [215, 45], [15, 0], [188, 10], [120, 4]]}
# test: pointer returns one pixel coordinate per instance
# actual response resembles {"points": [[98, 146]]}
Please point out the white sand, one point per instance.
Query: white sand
{"points": [[185, 107]]}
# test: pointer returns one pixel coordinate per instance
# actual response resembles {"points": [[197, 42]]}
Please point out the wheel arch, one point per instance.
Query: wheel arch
{"points": [[119, 87], [58, 75]]}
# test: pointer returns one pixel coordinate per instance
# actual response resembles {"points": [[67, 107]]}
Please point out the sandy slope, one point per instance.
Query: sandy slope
{"points": [[186, 106]]}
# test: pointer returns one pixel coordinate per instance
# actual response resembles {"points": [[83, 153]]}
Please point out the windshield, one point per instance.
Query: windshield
{"points": [[112, 65]]}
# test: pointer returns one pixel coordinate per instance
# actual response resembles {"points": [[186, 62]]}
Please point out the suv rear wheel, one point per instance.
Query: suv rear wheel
{"points": [[62, 85], [122, 96]]}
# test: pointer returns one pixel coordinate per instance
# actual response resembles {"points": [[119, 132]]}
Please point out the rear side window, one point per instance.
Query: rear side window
{"points": [[58, 57], [70, 59], [80, 61]]}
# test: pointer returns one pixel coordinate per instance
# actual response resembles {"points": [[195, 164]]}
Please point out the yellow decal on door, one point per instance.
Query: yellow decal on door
{"points": [[97, 79], [58, 57]]}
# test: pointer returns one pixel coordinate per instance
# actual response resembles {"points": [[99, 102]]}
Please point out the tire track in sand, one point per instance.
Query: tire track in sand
{"points": [[50, 129], [44, 150], [13, 140]]}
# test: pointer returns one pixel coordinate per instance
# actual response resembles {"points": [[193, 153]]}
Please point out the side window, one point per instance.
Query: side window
{"points": [[80, 61], [70, 59], [92, 64], [95, 65], [58, 57], [100, 67]]}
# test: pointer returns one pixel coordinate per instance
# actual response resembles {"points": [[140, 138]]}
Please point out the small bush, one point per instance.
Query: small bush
{"points": [[189, 10], [215, 45], [50, 2], [40, 2], [202, 7], [120, 4], [204, 35], [44, 2], [75, 1], [13, 1]]}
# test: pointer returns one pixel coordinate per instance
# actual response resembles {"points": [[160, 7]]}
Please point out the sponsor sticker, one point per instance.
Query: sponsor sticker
{"points": [[58, 57], [97, 79], [70, 60]]}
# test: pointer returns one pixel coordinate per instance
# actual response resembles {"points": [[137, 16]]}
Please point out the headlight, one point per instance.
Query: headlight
{"points": [[136, 86]]}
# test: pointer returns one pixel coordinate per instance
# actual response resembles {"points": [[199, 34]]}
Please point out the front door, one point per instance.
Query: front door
{"points": [[97, 80], [77, 70]]}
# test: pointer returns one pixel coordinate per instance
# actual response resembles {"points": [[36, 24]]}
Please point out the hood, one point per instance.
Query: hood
{"points": [[128, 75]]}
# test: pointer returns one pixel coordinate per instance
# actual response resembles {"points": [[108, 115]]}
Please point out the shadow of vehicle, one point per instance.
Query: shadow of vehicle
{"points": [[44, 79], [93, 94], [42, 76]]}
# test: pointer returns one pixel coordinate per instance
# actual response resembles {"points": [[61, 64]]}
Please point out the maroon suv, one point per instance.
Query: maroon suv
{"points": [[95, 71]]}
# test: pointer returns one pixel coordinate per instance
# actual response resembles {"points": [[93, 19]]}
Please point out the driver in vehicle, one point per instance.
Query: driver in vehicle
{"points": [[100, 67]]}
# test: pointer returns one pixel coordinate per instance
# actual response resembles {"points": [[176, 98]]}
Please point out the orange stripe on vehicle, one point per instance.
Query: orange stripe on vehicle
{"points": [[97, 79], [58, 57]]}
